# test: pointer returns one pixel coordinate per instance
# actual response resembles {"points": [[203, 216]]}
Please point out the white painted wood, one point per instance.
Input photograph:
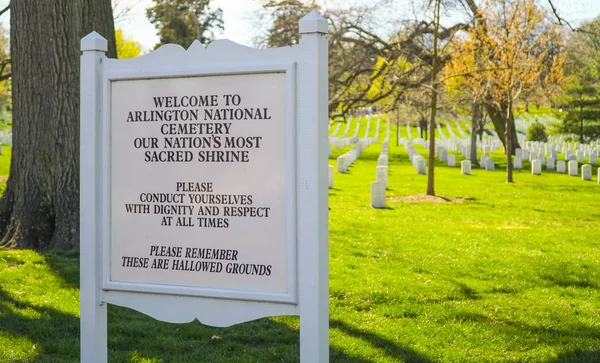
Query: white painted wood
{"points": [[313, 266], [93, 321], [222, 57], [305, 67], [115, 73], [175, 309]]}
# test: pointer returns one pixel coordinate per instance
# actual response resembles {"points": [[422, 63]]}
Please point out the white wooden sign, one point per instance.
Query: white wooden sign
{"points": [[204, 186]]}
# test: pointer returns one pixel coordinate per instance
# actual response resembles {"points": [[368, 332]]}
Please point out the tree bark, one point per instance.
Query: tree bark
{"points": [[499, 121], [398, 126], [510, 122], [476, 116], [434, 95], [40, 207]]}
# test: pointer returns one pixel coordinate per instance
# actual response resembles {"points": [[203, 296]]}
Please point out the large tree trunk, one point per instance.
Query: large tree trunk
{"points": [[499, 122], [40, 207], [434, 95], [510, 125], [476, 116]]}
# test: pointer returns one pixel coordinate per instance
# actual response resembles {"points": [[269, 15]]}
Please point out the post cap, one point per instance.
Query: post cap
{"points": [[94, 42], [313, 22]]}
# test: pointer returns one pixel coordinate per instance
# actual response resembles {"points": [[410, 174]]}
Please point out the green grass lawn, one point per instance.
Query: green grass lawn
{"points": [[510, 274]]}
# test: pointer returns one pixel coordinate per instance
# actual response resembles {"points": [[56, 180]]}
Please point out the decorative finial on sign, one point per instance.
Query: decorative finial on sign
{"points": [[313, 22], [94, 42]]}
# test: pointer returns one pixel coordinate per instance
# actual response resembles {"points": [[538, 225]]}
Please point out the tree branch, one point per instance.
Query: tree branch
{"points": [[6, 8]]}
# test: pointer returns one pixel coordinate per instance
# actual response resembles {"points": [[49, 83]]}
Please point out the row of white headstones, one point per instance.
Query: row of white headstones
{"points": [[531, 151], [345, 160], [535, 152], [379, 186]]}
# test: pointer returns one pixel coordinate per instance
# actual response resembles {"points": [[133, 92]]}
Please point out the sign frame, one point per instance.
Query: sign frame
{"points": [[311, 193], [289, 70]]}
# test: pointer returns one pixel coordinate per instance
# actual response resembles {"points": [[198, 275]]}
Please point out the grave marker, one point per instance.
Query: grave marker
{"points": [[517, 163], [489, 164], [465, 167], [560, 166], [377, 195], [451, 160], [586, 172], [573, 167], [550, 164], [536, 167]]}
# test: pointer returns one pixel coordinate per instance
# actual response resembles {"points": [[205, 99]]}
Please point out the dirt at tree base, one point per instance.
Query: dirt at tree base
{"points": [[427, 198]]}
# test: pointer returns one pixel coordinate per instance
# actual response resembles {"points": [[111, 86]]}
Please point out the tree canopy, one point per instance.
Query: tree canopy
{"points": [[183, 21], [126, 47]]}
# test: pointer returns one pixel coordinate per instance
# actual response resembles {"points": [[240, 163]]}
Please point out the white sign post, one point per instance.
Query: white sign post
{"points": [[204, 186]]}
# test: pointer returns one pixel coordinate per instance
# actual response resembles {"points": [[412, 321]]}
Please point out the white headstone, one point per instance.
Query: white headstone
{"points": [[580, 156], [451, 160], [489, 164], [517, 163], [465, 167], [518, 152], [381, 174], [341, 164], [536, 167], [573, 168], [377, 195], [483, 161], [560, 166], [421, 166], [331, 176], [586, 172], [550, 164], [593, 157]]}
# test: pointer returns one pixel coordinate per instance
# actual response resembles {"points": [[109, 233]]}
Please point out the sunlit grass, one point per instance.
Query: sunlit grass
{"points": [[510, 273]]}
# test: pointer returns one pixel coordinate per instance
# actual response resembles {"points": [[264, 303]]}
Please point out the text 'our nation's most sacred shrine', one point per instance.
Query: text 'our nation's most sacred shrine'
{"points": [[198, 128]]}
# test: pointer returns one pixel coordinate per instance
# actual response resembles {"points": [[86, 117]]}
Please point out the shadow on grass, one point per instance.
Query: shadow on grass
{"points": [[135, 337], [393, 350], [510, 329], [53, 334], [578, 356]]}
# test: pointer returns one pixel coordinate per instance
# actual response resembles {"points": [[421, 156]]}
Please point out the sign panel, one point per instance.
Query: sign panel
{"points": [[199, 188]]}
